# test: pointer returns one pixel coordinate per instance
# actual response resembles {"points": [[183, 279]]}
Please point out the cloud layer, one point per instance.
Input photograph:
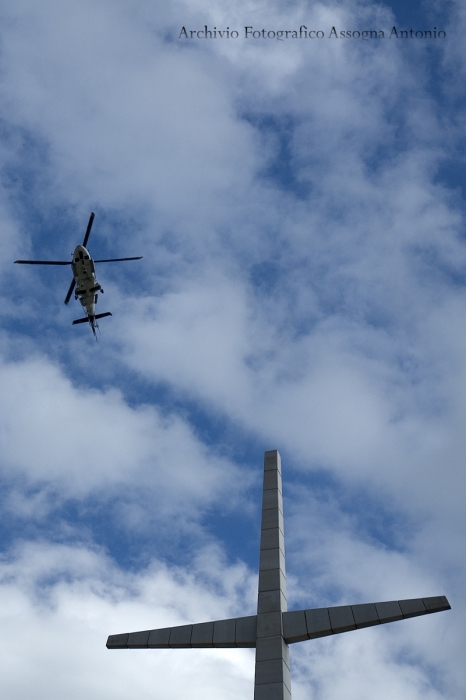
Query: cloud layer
{"points": [[302, 287]]}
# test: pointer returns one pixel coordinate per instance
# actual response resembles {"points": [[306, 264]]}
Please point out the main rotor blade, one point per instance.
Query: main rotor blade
{"points": [[70, 291], [43, 262], [118, 259], [88, 230]]}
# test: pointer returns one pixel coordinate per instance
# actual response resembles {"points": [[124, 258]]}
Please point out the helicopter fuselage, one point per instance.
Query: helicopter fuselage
{"points": [[87, 286]]}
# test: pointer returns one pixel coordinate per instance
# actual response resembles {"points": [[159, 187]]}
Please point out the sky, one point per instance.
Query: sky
{"points": [[299, 204]]}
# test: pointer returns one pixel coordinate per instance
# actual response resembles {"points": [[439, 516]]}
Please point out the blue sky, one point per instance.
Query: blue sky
{"points": [[300, 207]]}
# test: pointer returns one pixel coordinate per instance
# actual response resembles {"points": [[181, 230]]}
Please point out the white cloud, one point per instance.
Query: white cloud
{"points": [[59, 603], [76, 442]]}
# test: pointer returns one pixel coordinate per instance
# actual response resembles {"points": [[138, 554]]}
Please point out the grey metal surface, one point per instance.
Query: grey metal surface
{"points": [[180, 637], [138, 640], [294, 626], [225, 633], [365, 615], [297, 625], [269, 624], [272, 672], [389, 611], [246, 631], [202, 635], [272, 559], [272, 480], [271, 499], [412, 607], [318, 623], [271, 691], [273, 648], [117, 641], [158, 639], [341, 619], [272, 580], [270, 537], [436, 604], [271, 518], [268, 601], [324, 621]]}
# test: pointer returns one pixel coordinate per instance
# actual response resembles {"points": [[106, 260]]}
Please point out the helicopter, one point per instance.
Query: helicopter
{"points": [[87, 287]]}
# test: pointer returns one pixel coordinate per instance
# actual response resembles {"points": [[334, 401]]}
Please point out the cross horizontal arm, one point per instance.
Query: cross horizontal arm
{"points": [[300, 625], [235, 632]]}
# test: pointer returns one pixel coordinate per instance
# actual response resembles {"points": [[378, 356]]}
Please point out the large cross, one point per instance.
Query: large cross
{"points": [[273, 629]]}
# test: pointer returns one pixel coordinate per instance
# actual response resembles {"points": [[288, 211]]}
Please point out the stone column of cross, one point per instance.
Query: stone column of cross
{"points": [[272, 672], [274, 628]]}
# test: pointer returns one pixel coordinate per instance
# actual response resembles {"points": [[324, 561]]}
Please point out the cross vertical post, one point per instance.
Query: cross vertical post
{"points": [[272, 674]]}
